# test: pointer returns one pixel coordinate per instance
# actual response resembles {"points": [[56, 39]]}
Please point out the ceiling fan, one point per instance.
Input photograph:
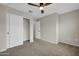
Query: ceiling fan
{"points": [[40, 6]]}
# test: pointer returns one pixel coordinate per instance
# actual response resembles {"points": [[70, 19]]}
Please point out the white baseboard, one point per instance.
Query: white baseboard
{"points": [[3, 50], [31, 41], [69, 43], [50, 41], [57, 42], [25, 40]]}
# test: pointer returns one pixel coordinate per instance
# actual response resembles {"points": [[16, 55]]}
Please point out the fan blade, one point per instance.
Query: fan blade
{"points": [[33, 4], [46, 4]]}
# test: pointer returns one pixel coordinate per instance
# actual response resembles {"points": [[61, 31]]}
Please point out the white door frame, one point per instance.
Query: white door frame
{"points": [[31, 30]]}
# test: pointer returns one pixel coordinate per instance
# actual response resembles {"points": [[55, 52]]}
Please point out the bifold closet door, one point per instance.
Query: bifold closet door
{"points": [[15, 30]]}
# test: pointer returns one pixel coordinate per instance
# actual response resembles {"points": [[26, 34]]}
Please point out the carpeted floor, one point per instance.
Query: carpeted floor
{"points": [[43, 48]]}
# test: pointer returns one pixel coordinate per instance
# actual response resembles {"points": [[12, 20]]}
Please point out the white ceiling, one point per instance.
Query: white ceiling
{"points": [[59, 8]]}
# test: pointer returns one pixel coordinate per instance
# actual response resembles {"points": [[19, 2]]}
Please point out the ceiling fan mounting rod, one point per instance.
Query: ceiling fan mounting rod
{"points": [[41, 4]]}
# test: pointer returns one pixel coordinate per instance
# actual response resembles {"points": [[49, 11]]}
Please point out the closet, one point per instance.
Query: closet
{"points": [[14, 30]]}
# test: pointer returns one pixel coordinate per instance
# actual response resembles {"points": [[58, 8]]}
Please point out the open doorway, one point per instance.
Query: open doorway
{"points": [[37, 30], [26, 29]]}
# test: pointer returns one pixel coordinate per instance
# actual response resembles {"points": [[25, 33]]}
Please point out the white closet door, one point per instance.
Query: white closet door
{"points": [[15, 30], [20, 30], [12, 32], [37, 29]]}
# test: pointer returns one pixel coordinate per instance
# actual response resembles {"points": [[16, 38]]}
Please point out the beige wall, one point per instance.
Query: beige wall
{"points": [[69, 28], [3, 11], [48, 28], [2, 30]]}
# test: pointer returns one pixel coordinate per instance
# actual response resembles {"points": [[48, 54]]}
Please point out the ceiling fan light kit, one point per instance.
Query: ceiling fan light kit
{"points": [[41, 6]]}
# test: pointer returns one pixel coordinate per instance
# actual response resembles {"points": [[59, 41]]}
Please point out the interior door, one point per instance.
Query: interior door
{"points": [[37, 29], [15, 30]]}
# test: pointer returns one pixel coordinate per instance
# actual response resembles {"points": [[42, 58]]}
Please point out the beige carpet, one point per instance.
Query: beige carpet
{"points": [[43, 48]]}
